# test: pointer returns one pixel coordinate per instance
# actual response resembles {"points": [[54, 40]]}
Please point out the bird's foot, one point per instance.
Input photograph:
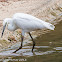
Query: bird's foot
{"points": [[32, 50], [17, 50], [14, 51]]}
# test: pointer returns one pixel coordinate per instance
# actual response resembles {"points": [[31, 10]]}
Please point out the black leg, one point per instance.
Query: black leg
{"points": [[21, 44], [33, 42]]}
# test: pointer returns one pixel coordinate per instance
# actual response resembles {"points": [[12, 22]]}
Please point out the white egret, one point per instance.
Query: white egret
{"points": [[27, 23]]}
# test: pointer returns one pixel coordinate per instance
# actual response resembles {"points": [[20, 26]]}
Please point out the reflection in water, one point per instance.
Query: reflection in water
{"points": [[27, 52], [24, 52], [58, 48]]}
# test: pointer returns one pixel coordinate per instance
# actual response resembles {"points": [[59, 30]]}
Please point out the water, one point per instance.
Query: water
{"points": [[48, 49]]}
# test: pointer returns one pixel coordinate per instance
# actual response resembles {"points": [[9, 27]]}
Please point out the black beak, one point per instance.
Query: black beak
{"points": [[3, 30]]}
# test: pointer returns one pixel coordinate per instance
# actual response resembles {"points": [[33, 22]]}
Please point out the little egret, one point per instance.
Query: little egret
{"points": [[26, 23]]}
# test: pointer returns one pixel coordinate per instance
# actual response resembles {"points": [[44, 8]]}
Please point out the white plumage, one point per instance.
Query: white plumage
{"points": [[25, 22]]}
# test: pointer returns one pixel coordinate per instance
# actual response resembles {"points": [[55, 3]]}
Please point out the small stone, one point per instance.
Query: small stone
{"points": [[50, 42], [1, 23], [18, 31], [3, 0], [0, 44], [10, 38]]}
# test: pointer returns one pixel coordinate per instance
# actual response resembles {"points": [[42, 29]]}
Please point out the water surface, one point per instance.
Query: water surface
{"points": [[48, 49]]}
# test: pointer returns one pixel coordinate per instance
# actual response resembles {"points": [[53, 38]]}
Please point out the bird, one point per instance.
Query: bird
{"points": [[26, 23]]}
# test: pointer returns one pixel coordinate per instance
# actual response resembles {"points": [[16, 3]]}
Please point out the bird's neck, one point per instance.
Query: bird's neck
{"points": [[12, 27]]}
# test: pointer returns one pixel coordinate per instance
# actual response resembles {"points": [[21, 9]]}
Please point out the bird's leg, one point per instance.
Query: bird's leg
{"points": [[33, 41], [21, 44]]}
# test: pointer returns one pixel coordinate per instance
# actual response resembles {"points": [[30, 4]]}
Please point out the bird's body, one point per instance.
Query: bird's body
{"points": [[26, 22]]}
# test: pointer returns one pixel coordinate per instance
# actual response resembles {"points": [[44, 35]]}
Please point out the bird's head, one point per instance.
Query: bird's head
{"points": [[6, 22]]}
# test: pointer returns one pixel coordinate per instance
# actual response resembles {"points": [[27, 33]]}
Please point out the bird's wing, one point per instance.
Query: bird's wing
{"points": [[24, 16], [28, 21]]}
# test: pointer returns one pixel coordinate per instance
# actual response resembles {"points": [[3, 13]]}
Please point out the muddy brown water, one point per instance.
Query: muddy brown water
{"points": [[48, 48]]}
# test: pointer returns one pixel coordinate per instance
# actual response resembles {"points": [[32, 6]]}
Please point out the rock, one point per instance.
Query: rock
{"points": [[1, 23], [10, 38], [14, 0], [0, 44], [19, 31], [3, 0]]}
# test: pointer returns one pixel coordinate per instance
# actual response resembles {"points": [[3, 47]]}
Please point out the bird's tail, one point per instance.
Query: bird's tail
{"points": [[48, 25]]}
